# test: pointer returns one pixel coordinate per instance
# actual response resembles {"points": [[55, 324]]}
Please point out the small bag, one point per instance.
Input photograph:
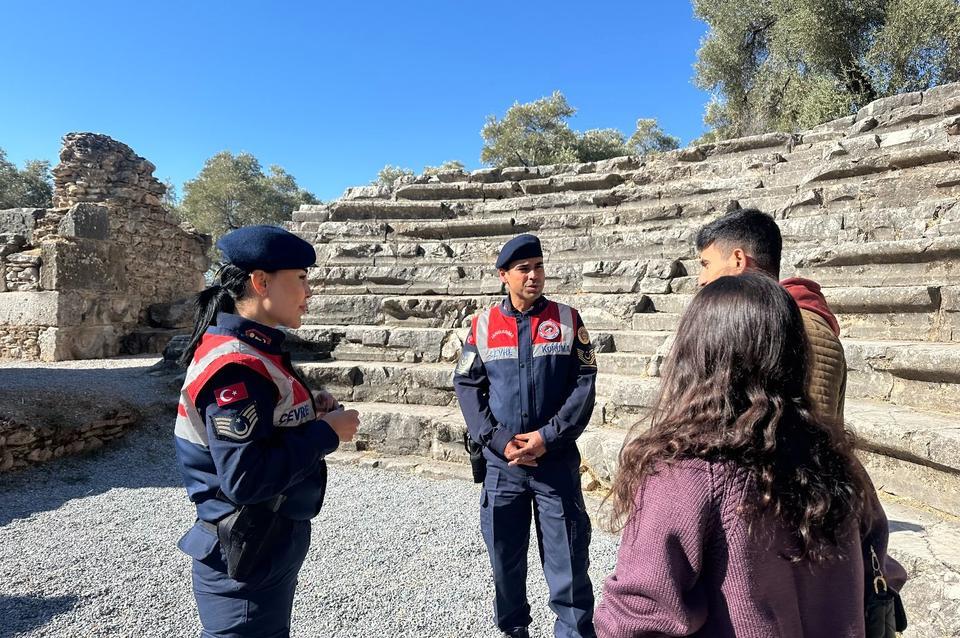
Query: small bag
{"points": [[884, 615]]}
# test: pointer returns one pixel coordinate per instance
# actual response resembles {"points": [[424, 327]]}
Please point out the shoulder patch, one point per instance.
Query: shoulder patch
{"points": [[465, 362], [238, 427], [583, 335], [231, 394]]}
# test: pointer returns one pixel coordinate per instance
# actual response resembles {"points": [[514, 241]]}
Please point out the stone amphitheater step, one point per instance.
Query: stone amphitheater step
{"points": [[429, 384], [912, 454], [927, 544], [917, 454], [908, 373], [600, 311]]}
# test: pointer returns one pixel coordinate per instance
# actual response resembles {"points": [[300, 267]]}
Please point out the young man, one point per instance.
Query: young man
{"points": [[750, 240], [525, 382]]}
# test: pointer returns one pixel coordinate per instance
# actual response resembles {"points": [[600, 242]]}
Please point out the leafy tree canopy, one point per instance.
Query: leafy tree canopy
{"points": [[538, 133], [31, 187], [233, 191], [792, 64]]}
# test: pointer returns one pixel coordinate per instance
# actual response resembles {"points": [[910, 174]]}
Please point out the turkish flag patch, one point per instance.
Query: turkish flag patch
{"points": [[231, 394]]}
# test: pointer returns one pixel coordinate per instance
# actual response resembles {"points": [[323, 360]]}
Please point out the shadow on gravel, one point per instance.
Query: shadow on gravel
{"points": [[143, 457], [24, 613], [902, 526]]}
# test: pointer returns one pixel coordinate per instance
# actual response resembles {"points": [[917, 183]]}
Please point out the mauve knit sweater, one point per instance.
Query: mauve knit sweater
{"points": [[688, 566]]}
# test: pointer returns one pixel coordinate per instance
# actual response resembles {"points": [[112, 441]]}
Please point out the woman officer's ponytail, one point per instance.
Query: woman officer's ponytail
{"points": [[229, 285]]}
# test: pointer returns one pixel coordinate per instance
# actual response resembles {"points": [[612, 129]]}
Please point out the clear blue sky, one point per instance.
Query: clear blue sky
{"points": [[332, 91]]}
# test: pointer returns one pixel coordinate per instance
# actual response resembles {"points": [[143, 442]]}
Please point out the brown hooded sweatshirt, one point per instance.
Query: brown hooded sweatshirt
{"points": [[828, 367]]}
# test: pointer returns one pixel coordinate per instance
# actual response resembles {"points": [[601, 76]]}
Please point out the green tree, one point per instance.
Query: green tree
{"points": [[538, 133], [650, 138], [449, 165], [389, 174], [600, 143], [232, 191], [530, 134], [31, 187], [793, 64]]}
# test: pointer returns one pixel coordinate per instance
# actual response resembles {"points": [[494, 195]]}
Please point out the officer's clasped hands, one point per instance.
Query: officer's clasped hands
{"points": [[525, 449]]}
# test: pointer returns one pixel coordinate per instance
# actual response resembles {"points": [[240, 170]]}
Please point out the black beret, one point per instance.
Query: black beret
{"points": [[266, 248], [520, 247]]}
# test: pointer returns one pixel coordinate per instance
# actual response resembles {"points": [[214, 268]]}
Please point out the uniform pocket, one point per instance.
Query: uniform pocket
{"points": [[198, 543]]}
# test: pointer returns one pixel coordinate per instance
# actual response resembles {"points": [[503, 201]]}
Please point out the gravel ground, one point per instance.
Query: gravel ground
{"points": [[87, 548]]}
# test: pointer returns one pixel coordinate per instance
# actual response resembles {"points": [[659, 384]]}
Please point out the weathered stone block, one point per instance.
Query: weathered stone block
{"points": [[887, 104], [95, 342], [20, 221], [90, 308], [29, 308], [84, 264], [440, 190], [176, 314], [88, 221], [885, 299]]}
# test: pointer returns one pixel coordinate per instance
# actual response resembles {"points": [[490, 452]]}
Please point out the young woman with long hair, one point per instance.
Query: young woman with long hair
{"points": [[743, 513]]}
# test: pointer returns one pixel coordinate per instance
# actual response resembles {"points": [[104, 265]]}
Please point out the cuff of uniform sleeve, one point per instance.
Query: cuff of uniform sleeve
{"points": [[500, 439], [326, 438], [550, 436]]}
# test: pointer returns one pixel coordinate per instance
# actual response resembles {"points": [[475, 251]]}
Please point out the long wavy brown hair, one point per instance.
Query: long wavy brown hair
{"points": [[734, 391]]}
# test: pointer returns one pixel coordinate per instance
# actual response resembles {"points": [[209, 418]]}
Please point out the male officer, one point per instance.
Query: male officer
{"points": [[525, 382]]}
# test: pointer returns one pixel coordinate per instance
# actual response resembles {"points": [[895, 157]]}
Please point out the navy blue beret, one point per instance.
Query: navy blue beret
{"points": [[266, 248], [520, 247]]}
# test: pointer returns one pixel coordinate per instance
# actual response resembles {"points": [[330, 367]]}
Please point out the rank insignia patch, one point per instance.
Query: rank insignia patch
{"points": [[587, 356], [238, 427]]}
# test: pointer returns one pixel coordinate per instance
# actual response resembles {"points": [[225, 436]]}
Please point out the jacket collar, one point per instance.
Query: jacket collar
{"points": [[250, 332], [506, 307]]}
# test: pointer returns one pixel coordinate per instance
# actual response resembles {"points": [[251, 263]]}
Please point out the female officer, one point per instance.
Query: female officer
{"points": [[250, 438]]}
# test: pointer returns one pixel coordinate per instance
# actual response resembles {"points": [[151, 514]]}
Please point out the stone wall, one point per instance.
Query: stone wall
{"points": [[26, 444], [79, 280]]}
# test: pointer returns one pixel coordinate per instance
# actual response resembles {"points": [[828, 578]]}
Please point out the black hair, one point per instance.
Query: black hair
{"points": [[754, 232], [229, 285]]}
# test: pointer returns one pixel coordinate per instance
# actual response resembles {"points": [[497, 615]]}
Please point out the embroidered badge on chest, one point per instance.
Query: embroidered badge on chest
{"points": [[549, 330], [238, 427]]}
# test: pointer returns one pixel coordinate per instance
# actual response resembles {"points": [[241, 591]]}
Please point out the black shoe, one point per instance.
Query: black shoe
{"points": [[518, 632]]}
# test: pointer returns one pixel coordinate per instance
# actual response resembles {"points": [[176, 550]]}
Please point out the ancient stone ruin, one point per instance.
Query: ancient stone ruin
{"points": [[94, 275], [868, 206]]}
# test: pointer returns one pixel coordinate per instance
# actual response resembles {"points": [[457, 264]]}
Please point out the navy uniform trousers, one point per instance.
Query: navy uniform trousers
{"points": [[549, 494], [259, 606]]}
